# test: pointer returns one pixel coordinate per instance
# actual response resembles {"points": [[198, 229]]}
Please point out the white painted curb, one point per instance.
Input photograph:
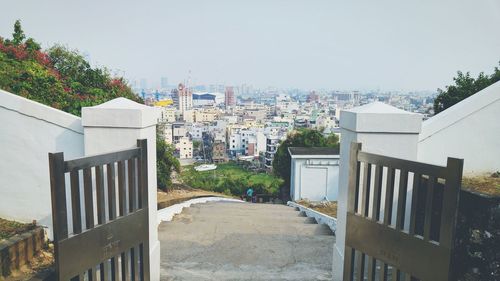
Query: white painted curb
{"points": [[166, 214], [320, 218]]}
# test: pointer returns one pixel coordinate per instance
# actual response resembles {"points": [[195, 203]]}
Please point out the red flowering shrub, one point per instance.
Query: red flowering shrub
{"points": [[43, 58], [58, 76]]}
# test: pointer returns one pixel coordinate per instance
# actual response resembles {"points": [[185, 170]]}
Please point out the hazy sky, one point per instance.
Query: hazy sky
{"points": [[294, 43]]}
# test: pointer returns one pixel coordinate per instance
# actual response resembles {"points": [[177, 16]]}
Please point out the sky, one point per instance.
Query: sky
{"points": [[307, 44]]}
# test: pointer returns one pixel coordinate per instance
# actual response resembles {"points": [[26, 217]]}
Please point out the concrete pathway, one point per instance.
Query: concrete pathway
{"points": [[242, 241]]}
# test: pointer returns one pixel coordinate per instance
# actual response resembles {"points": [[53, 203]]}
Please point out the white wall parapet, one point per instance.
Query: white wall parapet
{"points": [[30, 130], [469, 130]]}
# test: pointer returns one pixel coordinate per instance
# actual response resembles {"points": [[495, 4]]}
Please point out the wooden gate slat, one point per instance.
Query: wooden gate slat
{"points": [[114, 268], [122, 191], [75, 202], [58, 194], [132, 190], [414, 201], [143, 249], [349, 263], [360, 265], [101, 272], [353, 190], [111, 191], [400, 213], [142, 172], [428, 207], [135, 263], [451, 196], [365, 195], [126, 265], [372, 263], [389, 196], [377, 193], [89, 198], [101, 208]]}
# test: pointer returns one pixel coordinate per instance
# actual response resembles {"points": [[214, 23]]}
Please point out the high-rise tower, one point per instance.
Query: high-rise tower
{"points": [[229, 97]]}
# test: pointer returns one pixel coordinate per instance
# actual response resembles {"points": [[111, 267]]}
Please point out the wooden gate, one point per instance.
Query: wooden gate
{"points": [[381, 242], [108, 234]]}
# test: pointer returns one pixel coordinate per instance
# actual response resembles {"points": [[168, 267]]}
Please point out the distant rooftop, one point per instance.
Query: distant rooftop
{"points": [[313, 151]]}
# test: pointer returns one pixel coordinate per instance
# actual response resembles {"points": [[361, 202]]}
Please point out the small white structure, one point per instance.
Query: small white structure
{"points": [[314, 173]]}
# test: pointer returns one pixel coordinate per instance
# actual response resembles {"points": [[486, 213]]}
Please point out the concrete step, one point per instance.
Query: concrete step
{"points": [[237, 211], [243, 206], [187, 216], [243, 226]]}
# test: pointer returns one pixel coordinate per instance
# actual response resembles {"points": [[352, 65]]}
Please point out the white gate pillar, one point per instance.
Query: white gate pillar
{"points": [[381, 129], [117, 125]]}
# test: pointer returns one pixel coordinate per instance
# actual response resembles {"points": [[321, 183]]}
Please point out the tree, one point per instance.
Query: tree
{"points": [[58, 77], [465, 86], [166, 163], [32, 45], [303, 138], [18, 35]]}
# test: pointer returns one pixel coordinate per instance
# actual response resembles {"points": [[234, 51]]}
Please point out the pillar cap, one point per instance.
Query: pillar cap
{"points": [[119, 113], [378, 117]]}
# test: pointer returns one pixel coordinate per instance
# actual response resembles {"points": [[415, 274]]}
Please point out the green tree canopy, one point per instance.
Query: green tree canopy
{"points": [[303, 138], [18, 35], [166, 163], [465, 86]]}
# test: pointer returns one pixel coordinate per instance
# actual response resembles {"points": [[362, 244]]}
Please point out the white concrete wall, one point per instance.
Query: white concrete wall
{"points": [[28, 131], [470, 130]]}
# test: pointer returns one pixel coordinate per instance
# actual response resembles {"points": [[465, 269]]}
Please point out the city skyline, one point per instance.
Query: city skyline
{"points": [[292, 44]]}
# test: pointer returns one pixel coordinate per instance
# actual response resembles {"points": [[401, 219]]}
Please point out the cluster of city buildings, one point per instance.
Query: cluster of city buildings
{"points": [[216, 126]]}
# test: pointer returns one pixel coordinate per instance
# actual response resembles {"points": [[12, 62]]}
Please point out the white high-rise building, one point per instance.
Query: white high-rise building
{"points": [[185, 99]]}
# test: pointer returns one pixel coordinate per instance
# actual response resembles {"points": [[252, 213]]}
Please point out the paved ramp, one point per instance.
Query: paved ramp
{"points": [[242, 241]]}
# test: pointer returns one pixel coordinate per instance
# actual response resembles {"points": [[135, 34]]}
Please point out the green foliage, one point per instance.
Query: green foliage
{"points": [[166, 163], [60, 77], [197, 145], [304, 138], [230, 178], [18, 35], [465, 86]]}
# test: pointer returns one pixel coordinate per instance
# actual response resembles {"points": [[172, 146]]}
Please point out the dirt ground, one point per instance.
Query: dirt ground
{"points": [[327, 208], [487, 184]]}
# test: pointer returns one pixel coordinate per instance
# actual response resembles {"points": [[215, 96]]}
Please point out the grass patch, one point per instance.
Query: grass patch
{"points": [[231, 179], [11, 228]]}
